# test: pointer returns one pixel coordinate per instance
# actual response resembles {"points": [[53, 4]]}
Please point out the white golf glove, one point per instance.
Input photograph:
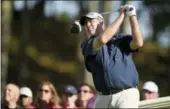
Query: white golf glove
{"points": [[130, 10]]}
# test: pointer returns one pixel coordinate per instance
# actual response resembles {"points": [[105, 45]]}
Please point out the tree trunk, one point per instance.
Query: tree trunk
{"points": [[81, 70], [93, 7], [6, 34], [27, 22], [107, 8], [23, 73], [126, 24]]}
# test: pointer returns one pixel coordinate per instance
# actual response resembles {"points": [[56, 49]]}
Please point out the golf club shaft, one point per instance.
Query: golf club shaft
{"points": [[109, 12]]}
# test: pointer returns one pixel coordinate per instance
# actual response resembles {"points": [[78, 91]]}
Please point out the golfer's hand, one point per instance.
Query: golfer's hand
{"points": [[122, 12], [100, 29], [129, 10]]}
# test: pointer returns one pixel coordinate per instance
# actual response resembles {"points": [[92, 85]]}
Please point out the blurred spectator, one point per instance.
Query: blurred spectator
{"points": [[47, 96], [149, 91], [11, 96], [86, 92], [91, 102], [70, 96], [26, 98]]}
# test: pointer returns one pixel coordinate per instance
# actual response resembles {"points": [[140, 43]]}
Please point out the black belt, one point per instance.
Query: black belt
{"points": [[113, 91]]}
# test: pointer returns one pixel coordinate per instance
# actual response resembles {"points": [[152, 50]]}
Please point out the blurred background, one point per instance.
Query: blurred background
{"points": [[37, 44]]}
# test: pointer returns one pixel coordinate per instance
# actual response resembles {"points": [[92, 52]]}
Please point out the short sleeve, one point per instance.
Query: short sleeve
{"points": [[125, 43], [87, 47]]}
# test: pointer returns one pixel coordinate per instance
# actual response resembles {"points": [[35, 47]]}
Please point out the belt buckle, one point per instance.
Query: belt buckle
{"points": [[115, 91]]}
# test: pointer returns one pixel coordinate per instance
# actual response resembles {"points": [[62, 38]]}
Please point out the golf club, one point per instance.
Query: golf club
{"points": [[76, 27]]}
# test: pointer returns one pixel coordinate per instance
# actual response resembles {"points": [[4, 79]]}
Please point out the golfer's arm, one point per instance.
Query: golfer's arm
{"points": [[137, 40], [108, 33]]}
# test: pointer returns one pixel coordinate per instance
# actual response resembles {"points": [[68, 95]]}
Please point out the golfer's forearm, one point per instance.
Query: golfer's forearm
{"points": [[111, 30], [137, 40]]}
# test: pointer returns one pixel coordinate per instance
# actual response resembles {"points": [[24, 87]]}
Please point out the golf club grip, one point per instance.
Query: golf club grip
{"points": [[116, 11]]}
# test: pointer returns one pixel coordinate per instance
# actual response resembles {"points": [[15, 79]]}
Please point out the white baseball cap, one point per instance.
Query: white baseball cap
{"points": [[150, 86], [91, 15], [26, 91]]}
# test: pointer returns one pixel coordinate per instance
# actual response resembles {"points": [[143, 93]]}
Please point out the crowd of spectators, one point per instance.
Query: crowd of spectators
{"points": [[47, 96]]}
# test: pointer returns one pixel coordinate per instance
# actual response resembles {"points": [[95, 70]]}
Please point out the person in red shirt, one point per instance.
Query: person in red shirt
{"points": [[26, 98], [69, 97], [47, 96]]}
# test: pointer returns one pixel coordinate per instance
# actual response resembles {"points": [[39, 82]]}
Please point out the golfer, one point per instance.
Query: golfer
{"points": [[107, 56]]}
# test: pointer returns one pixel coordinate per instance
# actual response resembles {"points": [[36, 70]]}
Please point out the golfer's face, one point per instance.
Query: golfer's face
{"points": [[91, 26]]}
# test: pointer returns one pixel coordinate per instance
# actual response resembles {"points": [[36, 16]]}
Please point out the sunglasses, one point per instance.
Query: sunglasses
{"points": [[23, 96], [84, 91], [44, 90]]}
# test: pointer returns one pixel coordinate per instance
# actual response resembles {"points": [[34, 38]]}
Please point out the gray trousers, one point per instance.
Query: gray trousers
{"points": [[128, 98]]}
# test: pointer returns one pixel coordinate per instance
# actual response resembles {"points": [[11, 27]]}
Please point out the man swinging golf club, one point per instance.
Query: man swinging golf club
{"points": [[107, 56]]}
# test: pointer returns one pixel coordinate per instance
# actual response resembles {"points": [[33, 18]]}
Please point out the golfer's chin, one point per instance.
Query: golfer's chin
{"points": [[92, 33]]}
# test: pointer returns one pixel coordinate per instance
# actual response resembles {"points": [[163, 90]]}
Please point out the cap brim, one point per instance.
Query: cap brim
{"points": [[71, 93], [25, 95], [147, 90]]}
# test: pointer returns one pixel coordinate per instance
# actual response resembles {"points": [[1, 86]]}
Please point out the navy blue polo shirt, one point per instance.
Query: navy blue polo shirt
{"points": [[111, 66]]}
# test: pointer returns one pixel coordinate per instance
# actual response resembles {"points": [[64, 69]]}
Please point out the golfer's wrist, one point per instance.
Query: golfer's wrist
{"points": [[121, 16], [133, 17]]}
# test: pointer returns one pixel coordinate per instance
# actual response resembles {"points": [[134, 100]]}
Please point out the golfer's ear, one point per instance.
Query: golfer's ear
{"points": [[101, 22]]}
